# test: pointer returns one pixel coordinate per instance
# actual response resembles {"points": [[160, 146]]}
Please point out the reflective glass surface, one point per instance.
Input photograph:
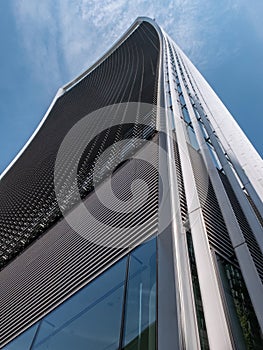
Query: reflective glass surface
{"points": [[90, 319], [197, 294], [24, 341], [140, 311], [118, 307], [192, 137], [244, 324]]}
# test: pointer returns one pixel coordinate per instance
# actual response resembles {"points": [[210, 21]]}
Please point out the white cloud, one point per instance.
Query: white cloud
{"points": [[37, 27], [64, 37]]}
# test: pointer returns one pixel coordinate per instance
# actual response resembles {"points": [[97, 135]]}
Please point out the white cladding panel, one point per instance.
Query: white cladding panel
{"points": [[229, 132]]}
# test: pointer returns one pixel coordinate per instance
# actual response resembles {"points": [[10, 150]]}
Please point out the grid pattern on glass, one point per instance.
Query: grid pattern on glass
{"points": [[140, 312], [244, 324], [122, 298], [198, 300]]}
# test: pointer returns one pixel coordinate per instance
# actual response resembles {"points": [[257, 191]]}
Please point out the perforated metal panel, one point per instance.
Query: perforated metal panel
{"points": [[28, 204], [60, 260]]}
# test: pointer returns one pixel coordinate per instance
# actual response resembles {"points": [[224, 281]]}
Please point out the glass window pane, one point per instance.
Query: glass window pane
{"points": [[244, 324], [186, 115], [23, 341], [140, 314], [192, 137], [90, 319]]}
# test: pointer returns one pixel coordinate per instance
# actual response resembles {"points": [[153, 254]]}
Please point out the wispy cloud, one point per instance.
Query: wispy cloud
{"points": [[37, 27], [64, 37]]}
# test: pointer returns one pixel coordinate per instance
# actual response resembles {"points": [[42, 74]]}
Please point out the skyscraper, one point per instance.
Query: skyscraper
{"points": [[132, 219]]}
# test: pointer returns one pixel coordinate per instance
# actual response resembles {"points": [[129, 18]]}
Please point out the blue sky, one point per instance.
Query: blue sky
{"points": [[44, 44]]}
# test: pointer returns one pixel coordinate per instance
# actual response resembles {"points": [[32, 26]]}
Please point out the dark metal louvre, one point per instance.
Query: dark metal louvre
{"points": [[28, 205], [61, 261], [180, 182], [214, 222], [245, 228], [260, 219]]}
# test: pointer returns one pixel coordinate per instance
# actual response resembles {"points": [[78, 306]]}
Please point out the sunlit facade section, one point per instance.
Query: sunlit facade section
{"points": [[133, 218]]}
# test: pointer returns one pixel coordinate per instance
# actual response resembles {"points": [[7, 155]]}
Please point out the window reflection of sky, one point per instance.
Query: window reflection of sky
{"points": [[141, 293], [92, 318]]}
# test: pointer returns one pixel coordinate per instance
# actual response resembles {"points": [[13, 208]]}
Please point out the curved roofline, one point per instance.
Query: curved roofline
{"points": [[125, 35], [58, 94], [76, 80]]}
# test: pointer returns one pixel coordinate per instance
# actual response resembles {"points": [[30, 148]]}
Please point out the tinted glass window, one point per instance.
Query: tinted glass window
{"points": [[90, 319], [107, 312], [24, 341], [140, 313]]}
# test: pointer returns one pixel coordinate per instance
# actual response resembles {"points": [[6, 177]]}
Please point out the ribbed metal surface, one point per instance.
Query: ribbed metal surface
{"points": [[249, 237], [62, 260], [215, 225], [180, 182], [259, 217], [217, 232], [28, 205]]}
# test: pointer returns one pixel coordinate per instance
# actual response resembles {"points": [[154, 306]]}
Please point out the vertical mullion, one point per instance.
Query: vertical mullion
{"points": [[124, 303]]}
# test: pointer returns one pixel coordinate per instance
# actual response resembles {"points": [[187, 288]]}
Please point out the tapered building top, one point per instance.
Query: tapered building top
{"points": [[137, 167]]}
